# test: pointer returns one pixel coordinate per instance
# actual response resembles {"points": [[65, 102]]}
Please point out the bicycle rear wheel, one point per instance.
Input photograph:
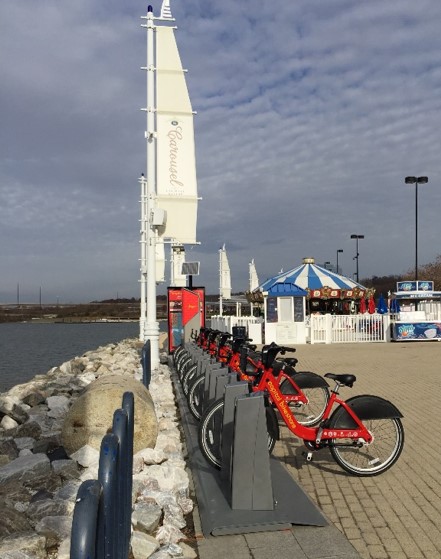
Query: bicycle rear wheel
{"points": [[210, 432], [183, 363], [312, 412], [195, 396], [188, 376], [373, 458]]}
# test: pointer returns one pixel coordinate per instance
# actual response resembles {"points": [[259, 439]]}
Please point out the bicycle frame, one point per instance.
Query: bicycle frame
{"points": [[316, 435]]}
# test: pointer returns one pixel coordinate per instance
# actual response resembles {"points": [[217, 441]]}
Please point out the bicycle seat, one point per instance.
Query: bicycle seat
{"points": [[347, 380]]}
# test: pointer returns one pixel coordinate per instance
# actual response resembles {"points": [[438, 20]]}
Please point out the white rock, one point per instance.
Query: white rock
{"points": [[187, 551], [24, 442], [169, 478], [151, 455], [58, 405], [64, 549], [66, 367], [25, 452], [146, 517], [8, 423], [87, 456], [32, 545], [143, 545], [89, 473], [86, 378], [54, 528], [169, 534]]}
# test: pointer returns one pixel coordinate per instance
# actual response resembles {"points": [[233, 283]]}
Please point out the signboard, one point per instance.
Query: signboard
{"points": [[417, 331], [271, 309], [414, 285], [186, 311], [298, 309]]}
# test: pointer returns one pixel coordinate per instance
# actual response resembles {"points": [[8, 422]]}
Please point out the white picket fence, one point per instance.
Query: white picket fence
{"points": [[321, 328], [330, 329]]}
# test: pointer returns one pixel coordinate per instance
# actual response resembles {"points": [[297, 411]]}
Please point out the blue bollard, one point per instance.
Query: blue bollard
{"points": [[101, 525], [85, 519], [107, 476], [128, 404]]}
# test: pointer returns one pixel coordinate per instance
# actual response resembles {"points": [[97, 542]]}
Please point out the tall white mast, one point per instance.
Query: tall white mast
{"points": [[149, 327], [220, 281], [169, 192]]}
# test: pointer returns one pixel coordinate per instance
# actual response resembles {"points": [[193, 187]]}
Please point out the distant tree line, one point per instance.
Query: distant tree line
{"points": [[384, 284], [129, 309]]}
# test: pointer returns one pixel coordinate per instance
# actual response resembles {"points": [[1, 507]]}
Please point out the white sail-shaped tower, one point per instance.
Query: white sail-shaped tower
{"points": [[254, 280], [224, 274], [169, 190], [176, 164]]}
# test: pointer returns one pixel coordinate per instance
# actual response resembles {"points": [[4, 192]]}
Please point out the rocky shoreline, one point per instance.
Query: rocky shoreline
{"points": [[39, 480]]}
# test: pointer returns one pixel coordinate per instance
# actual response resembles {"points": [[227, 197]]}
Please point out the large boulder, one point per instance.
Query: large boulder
{"points": [[91, 415]]}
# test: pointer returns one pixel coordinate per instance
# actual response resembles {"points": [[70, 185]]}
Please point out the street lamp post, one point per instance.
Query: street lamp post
{"points": [[416, 181], [338, 250], [327, 264], [357, 237]]}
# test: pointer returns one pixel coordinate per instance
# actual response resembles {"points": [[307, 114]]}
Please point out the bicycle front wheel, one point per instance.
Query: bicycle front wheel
{"points": [[373, 458], [188, 377], [210, 432]]}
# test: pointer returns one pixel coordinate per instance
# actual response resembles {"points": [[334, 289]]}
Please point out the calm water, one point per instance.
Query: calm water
{"points": [[28, 349]]}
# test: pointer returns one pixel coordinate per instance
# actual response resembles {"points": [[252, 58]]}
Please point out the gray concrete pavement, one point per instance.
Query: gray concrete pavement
{"points": [[396, 515]]}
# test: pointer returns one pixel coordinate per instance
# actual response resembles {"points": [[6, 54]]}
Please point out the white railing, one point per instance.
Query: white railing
{"points": [[327, 329], [323, 329]]}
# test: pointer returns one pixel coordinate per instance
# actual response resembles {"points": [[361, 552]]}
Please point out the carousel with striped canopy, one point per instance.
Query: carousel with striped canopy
{"points": [[326, 291]]}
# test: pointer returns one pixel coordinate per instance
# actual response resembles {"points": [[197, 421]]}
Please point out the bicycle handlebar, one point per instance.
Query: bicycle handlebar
{"points": [[270, 352]]}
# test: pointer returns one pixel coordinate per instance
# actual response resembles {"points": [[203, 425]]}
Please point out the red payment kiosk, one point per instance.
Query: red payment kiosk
{"points": [[186, 312]]}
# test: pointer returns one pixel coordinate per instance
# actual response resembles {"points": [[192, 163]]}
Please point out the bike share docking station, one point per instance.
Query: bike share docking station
{"points": [[252, 492]]}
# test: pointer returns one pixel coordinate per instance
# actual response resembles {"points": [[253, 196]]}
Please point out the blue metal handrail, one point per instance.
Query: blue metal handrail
{"points": [[102, 516]]}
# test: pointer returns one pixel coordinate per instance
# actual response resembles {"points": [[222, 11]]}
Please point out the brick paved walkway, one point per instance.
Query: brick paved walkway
{"points": [[396, 515]]}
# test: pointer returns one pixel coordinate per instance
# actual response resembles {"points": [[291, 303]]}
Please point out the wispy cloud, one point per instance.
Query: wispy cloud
{"points": [[310, 115]]}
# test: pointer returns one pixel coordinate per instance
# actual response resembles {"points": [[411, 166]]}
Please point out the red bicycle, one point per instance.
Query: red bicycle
{"points": [[364, 434], [306, 393]]}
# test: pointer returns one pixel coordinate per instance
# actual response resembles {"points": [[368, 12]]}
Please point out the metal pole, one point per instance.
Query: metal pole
{"points": [[357, 254], [151, 326], [338, 250], [143, 280], [357, 259], [220, 283], [416, 233]]}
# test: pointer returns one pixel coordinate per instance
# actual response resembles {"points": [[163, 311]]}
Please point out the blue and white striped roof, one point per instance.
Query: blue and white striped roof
{"points": [[311, 276]]}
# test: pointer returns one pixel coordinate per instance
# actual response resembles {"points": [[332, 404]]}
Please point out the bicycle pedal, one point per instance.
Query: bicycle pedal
{"points": [[309, 456]]}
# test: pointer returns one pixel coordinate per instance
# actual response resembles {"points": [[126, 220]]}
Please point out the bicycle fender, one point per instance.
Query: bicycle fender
{"points": [[365, 407], [307, 379]]}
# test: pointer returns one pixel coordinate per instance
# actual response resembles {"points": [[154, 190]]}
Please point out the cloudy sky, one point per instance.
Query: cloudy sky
{"points": [[310, 115]]}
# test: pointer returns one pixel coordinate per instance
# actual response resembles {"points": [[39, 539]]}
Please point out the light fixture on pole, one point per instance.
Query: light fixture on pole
{"points": [[338, 250], [416, 181], [357, 237], [327, 264]]}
